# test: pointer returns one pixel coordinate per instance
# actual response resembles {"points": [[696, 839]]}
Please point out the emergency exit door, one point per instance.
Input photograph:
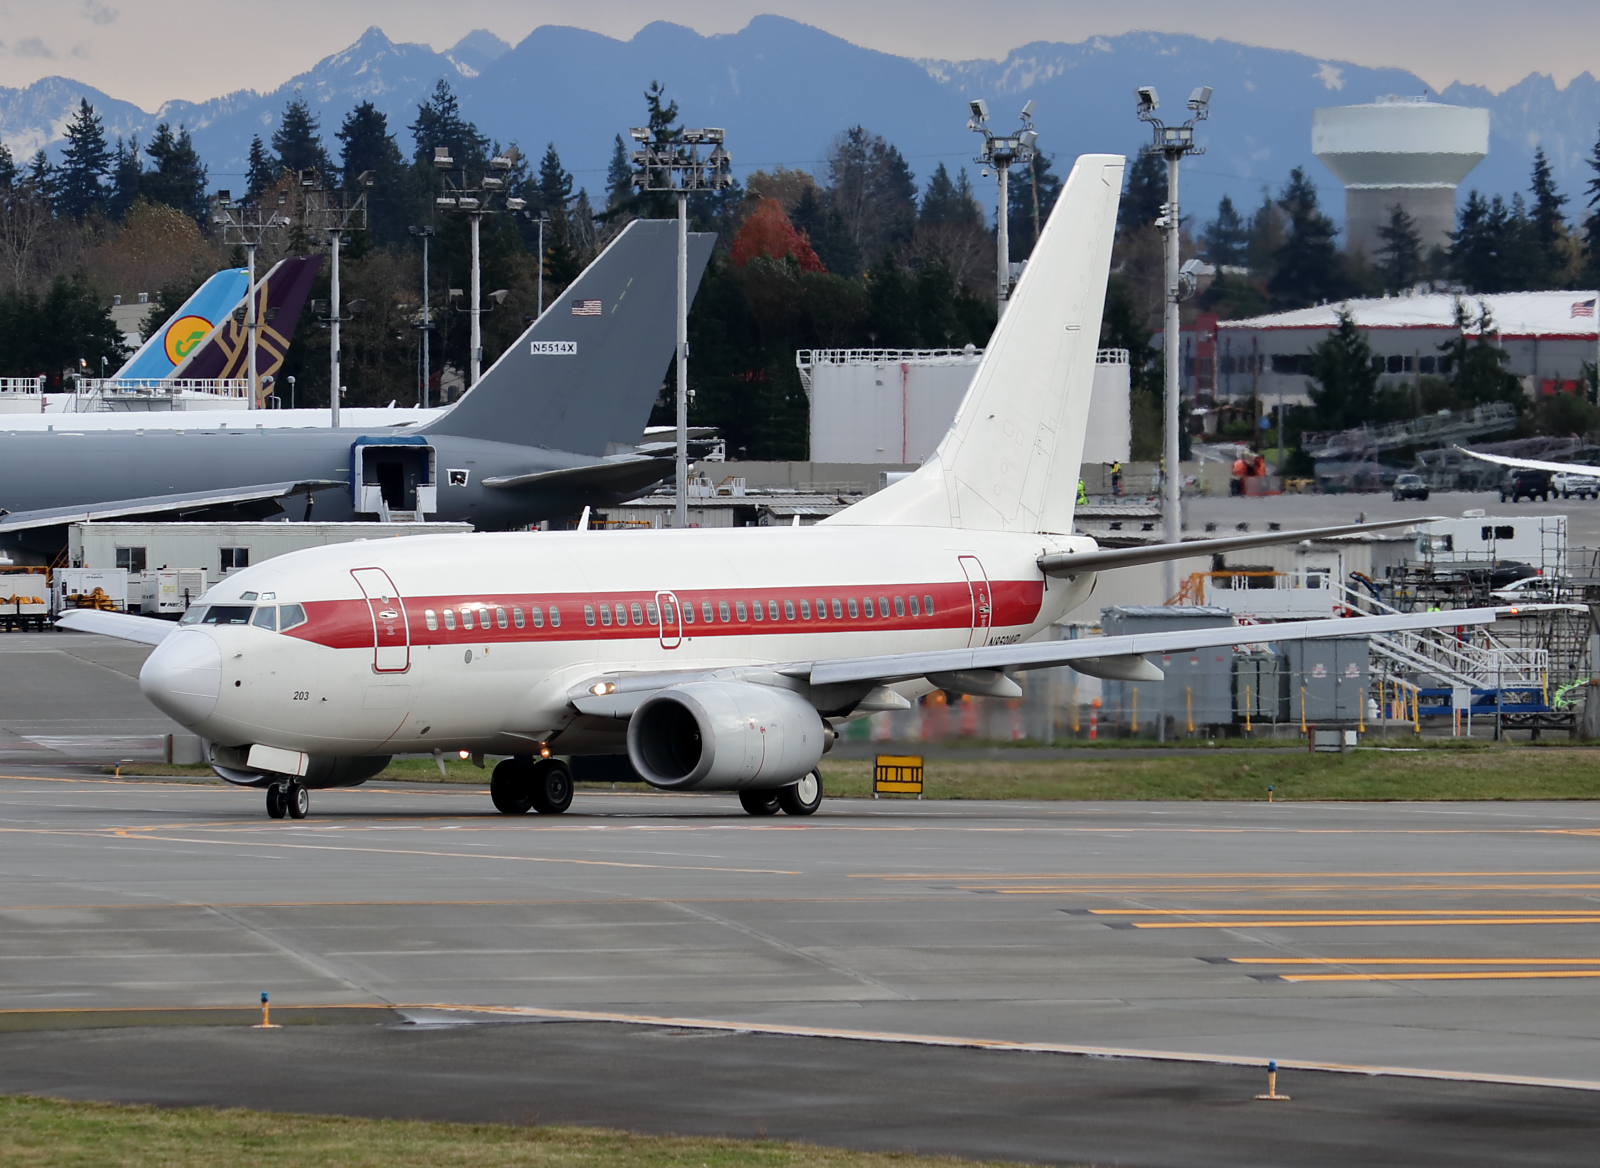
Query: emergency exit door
{"points": [[391, 632]]}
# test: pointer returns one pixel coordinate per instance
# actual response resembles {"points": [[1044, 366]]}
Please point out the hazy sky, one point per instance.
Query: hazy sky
{"points": [[147, 51]]}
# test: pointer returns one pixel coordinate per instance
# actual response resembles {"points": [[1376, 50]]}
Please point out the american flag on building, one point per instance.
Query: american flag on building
{"points": [[592, 308], [1583, 308]]}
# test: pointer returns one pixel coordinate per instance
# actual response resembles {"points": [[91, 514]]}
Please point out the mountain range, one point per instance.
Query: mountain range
{"points": [[783, 89]]}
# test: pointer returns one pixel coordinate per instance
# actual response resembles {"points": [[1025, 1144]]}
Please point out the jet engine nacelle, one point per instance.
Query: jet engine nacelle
{"points": [[724, 736]]}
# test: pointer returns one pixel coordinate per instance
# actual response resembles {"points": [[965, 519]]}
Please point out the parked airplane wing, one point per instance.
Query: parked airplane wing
{"points": [[1104, 559], [1044, 654], [159, 504], [1534, 463], [147, 630], [623, 475]]}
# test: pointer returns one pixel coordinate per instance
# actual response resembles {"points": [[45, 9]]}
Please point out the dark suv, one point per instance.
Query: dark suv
{"points": [[1526, 484], [1409, 486]]}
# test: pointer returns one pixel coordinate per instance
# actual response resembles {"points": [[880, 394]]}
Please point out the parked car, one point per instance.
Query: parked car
{"points": [[1409, 486], [1529, 590], [1569, 484], [1526, 484]]}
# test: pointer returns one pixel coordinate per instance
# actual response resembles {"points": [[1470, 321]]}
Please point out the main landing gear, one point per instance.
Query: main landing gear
{"points": [[520, 785], [802, 798], [291, 799]]}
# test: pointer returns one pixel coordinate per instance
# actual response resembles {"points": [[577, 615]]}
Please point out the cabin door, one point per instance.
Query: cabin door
{"points": [[982, 603], [670, 625], [391, 632]]}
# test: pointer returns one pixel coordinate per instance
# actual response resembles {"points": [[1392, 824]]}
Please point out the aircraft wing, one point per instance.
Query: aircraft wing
{"points": [[147, 630], [1534, 463], [622, 476], [182, 501], [1103, 559]]}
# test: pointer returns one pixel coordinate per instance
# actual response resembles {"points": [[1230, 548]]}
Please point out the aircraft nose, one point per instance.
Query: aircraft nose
{"points": [[183, 677]]}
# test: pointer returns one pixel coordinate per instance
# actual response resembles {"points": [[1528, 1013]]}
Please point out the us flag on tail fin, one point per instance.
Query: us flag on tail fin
{"points": [[585, 308]]}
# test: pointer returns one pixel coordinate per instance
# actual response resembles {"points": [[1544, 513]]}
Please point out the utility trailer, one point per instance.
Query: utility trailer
{"points": [[24, 599]]}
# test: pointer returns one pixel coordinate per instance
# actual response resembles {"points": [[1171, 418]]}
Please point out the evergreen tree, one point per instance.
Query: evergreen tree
{"points": [[42, 176], [941, 203], [1400, 258], [127, 168], [1226, 239], [179, 179], [297, 141], [555, 184], [825, 228], [8, 168], [873, 190], [1477, 367], [1549, 224], [84, 164], [1144, 192], [366, 146], [1308, 269], [893, 323], [439, 123], [1346, 385], [1591, 226], [263, 168], [619, 175]]}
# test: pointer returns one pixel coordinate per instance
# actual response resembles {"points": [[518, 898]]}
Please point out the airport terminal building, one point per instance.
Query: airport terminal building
{"points": [[1549, 336]]}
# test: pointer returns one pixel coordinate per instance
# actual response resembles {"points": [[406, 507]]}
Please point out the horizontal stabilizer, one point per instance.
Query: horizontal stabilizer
{"points": [[147, 630], [183, 501], [622, 476], [1104, 559]]}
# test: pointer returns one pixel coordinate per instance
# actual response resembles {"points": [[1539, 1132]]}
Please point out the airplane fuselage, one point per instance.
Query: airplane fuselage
{"points": [[475, 643]]}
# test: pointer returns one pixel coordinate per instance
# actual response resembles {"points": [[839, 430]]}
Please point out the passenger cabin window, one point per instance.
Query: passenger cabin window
{"points": [[605, 614], [705, 611], [805, 610], [290, 616], [466, 617], [651, 615], [537, 615], [738, 608], [638, 614], [266, 617], [913, 603], [899, 606], [450, 619], [883, 606], [838, 609], [722, 610], [688, 613], [555, 617], [788, 610], [131, 558], [516, 615], [854, 612], [588, 614], [432, 619], [234, 557], [500, 618], [772, 609], [866, 606], [760, 611], [927, 606]]}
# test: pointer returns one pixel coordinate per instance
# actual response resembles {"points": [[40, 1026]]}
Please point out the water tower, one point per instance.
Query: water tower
{"points": [[1405, 151]]}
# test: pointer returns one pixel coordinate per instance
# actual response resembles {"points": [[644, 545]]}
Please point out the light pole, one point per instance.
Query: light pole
{"points": [[542, 220], [475, 203], [1172, 143], [325, 215], [242, 224], [425, 234], [671, 161], [1000, 152]]}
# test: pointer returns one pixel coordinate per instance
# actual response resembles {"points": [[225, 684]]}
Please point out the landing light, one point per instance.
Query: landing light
{"points": [[600, 688], [465, 754]]}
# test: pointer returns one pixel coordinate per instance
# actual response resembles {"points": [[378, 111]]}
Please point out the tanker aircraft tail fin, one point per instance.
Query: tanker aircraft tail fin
{"points": [[584, 376]]}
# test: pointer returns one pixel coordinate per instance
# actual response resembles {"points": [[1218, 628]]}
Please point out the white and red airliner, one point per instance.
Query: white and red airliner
{"points": [[717, 660]]}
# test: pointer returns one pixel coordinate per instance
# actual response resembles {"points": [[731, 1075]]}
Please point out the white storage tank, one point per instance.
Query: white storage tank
{"points": [[1399, 151]]}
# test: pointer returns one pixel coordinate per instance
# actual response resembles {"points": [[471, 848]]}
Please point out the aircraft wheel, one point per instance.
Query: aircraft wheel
{"points": [[511, 788], [551, 788], [759, 802], [275, 804], [804, 797], [298, 800]]}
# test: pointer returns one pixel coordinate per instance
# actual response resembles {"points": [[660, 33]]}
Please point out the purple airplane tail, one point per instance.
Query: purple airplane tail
{"points": [[280, 295]]}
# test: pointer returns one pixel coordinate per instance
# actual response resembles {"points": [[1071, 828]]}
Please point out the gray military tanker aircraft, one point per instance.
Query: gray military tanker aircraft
{"points": [[548, 429]]}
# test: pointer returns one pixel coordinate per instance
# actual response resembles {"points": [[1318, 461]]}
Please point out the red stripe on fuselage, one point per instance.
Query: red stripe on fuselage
{"points": [[347, 624]]}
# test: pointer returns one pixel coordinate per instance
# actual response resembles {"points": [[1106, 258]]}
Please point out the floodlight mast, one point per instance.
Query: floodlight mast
{"points": [[671, 161], [1172, 143], [333, 213], [476, 202], [241, 223], [1000, 152]]}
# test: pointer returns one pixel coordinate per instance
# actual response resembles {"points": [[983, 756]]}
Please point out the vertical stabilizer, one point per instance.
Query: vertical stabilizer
{"points": [[586, 374], [279, 295], [188, 327], [1010, 461]]}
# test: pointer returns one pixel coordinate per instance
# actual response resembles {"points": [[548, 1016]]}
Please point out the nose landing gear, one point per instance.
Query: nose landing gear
{"points": [[291, 799]]}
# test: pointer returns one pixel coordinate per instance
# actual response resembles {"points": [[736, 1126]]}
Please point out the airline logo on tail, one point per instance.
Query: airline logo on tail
{"points": [[183, 336]]}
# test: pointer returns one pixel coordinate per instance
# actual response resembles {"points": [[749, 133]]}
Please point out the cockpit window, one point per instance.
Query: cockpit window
{"points": [[194, 615], [227, 614], [266, 617], [290, 615]]}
